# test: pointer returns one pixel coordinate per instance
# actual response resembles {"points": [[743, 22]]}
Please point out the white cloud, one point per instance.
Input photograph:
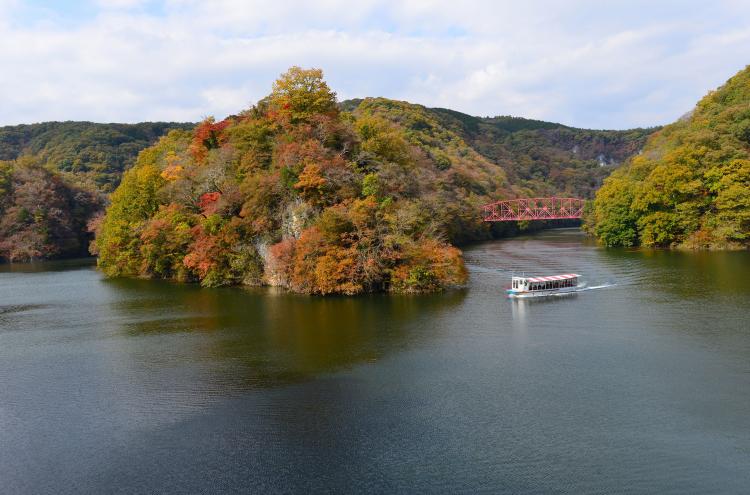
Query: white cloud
{"points": [[577, 62]]}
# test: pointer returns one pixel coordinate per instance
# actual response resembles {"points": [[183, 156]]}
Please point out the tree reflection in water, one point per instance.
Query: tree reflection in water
{"points": [[250, 338]]}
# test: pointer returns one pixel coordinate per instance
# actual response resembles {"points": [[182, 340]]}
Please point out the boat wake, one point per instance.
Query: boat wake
{"points": [[582, 289]]}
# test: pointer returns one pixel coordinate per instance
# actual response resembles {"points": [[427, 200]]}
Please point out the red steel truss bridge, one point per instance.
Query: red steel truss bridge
{"points": [[514, 210]]}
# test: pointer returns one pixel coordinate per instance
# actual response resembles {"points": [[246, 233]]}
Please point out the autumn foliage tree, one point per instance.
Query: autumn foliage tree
{"points": [[299, 95]]}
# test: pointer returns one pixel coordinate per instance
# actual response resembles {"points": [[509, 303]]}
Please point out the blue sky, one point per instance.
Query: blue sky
{"points": [[595, 64]]}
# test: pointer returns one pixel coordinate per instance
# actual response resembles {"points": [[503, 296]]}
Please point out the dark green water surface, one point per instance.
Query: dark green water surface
{"points": [[130, 386]]}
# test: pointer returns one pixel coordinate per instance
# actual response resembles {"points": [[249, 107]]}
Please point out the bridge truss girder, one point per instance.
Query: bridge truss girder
{"points": [[514, 210]]}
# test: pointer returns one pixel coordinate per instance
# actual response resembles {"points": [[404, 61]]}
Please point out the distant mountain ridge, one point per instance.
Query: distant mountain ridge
{"points": [[542, 157], [531, 151], [85, 152]]}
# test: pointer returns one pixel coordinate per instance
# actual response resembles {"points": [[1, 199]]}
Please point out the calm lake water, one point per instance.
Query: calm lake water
{"points": [[111, 386]]}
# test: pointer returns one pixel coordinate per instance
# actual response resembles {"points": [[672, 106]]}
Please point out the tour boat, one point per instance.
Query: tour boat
{"points": [[544, 286]]}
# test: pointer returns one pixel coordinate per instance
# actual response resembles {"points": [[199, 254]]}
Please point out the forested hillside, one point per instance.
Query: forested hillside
{"points": [[428, 171], [295, 193], [42, 216], [84, 152], [55, 177], [691, 185], [302, 193], [538, 157]]}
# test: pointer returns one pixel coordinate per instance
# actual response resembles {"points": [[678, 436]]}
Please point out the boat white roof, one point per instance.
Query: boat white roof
{"points": [[553, 277]]}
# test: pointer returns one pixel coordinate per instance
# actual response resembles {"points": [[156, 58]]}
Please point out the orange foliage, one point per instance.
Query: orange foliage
{"points": [[278, 268], [335, 272], [293, 154], [429, 266], [324, 268], [173, 170], [207, 136], [208, 202], [311, 184], [201, 257], [154, 228]]}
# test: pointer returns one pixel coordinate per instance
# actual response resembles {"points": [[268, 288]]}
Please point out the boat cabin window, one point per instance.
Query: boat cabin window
{"points": [[548, 285]]}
